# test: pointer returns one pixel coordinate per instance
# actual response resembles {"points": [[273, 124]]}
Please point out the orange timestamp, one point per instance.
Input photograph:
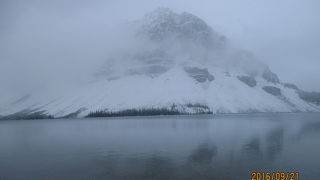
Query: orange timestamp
{"points": [[275, 176]]}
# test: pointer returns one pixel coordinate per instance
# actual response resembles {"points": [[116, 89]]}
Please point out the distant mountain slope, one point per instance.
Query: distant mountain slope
{"points": [[183, 66]]}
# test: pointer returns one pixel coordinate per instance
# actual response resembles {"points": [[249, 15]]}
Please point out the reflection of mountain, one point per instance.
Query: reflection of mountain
{"points": [[274, 143], [204, 154], [198, 165], [192, 147], [257, 150], [177, 62], [204, 162], [207, 160], [307, 129], [252, 149]]}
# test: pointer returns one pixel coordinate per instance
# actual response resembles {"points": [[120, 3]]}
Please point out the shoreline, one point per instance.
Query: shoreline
{"points": [[161, 115]]}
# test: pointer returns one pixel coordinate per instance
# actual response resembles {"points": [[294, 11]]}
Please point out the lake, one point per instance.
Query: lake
{"points": [[161, 147]]}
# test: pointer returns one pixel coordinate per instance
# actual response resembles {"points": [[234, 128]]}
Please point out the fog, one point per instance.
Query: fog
{"points": [[63, 40]]}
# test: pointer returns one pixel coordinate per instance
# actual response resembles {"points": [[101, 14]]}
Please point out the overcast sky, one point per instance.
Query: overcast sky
{"points": [[282, 33]]}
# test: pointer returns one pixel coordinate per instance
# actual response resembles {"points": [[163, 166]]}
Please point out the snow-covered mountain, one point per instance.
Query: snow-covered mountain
{"points": [[179, 64]]}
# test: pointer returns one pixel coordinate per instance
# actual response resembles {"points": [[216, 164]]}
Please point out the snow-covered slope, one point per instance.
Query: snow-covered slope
{"points": [[183, 65]]}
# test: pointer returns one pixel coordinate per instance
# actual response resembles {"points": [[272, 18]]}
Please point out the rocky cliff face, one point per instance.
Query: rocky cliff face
{"points": [[163, 24]]}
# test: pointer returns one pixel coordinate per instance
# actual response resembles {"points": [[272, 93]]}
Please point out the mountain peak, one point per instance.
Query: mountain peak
{"points": [[161, 11], [163, 23]]}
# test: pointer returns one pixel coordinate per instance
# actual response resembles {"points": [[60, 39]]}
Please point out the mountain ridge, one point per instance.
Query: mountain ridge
{"points": [[183, 67]]}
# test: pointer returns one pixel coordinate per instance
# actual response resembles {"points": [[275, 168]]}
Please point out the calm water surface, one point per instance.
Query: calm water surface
{"points": [[168, 147]]}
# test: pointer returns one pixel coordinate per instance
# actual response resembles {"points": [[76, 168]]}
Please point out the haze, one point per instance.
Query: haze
{"points": [[42, 39]]}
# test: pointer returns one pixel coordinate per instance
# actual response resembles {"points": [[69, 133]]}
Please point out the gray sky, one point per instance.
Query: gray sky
{"points": [[282, 33]]}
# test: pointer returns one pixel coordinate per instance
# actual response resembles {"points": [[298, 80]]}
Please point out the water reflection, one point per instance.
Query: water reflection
{"points": [[274, 142], [252, 148], [187, 147], [203, 154], [197, 165]]}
